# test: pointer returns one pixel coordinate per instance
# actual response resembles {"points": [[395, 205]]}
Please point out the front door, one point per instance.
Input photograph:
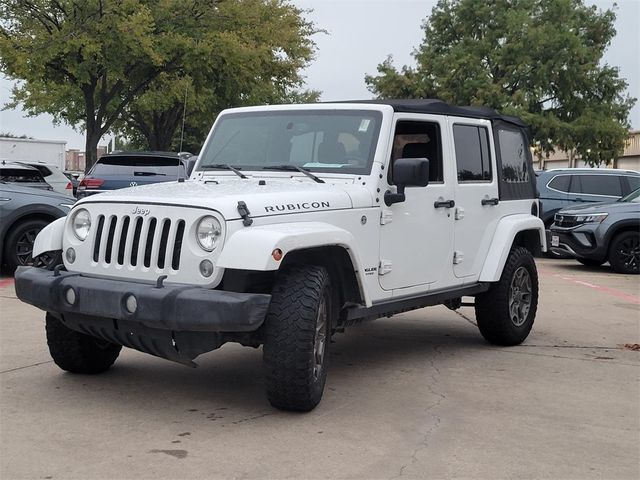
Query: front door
{"points": [[416, 236]]}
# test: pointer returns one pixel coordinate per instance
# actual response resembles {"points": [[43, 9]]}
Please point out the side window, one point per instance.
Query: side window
{"points": [[472, 153], [634, 183], [419, 140], [513, 156], [608, 185], [560, 183]]}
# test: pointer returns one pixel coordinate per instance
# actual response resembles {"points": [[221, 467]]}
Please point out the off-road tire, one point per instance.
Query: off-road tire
{"points": [[589, 262], [76, 352], [293, 379], [19, 233], [493, 307], [623, 245]]}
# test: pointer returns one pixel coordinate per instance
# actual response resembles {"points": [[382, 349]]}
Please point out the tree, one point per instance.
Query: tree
{"points": [[538, 59], [86, 62], [254, 59]]}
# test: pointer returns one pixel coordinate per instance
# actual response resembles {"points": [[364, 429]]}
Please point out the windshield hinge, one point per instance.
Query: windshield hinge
{"points": [[244, 212], [386, 216]]}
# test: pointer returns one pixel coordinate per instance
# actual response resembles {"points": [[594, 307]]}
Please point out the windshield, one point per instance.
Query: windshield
{"points": [[320, 141], [632, 197]]}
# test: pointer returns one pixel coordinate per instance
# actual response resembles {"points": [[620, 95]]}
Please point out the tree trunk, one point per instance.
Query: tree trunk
{"points": [[91, 150]]}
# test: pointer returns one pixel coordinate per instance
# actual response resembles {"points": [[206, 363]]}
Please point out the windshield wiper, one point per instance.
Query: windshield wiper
{"points": [[148, 174], [224, 166], [294, 168]]}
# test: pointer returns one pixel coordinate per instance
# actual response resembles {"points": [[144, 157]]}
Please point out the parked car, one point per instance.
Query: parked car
{"points": [[129, 169], [54, 177], [24, 211], [298, 222], [24, 175], [74, 178], [595, 234], [566, 187]]}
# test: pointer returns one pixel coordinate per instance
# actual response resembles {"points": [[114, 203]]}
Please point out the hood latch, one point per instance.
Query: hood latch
{"points": [[244, 212]]}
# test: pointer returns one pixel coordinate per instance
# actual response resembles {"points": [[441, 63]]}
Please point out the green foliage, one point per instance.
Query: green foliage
{"points": [[87, 62], [538, 59], [254, 57]]}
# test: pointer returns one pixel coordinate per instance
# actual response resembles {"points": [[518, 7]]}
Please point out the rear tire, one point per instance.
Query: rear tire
{"points": [[624, 253], [297, 336], [506, 312], [589, 262], [76, 352]]}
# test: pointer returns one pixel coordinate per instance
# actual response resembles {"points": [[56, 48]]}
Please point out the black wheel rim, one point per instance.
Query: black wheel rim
{"points": [[629, 253], [24, 246], [320, 340], [520, 296]]}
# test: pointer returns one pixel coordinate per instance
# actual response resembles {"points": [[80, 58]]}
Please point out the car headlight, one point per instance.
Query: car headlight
{"points": [[208, 231], [593, 218], [81, 224]]}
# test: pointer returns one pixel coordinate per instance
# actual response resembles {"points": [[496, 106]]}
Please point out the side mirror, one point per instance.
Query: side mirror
{"points": [[407, 172]]}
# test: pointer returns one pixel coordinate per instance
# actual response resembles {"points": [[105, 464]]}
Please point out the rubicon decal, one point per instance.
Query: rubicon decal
{"points": [[287, 207]]}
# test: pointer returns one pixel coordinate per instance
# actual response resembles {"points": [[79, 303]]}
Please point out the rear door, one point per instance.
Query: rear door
{"points": [[476, 194]]}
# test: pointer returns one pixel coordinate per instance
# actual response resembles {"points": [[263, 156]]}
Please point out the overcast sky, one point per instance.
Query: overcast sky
{"points": [[361, 33]]}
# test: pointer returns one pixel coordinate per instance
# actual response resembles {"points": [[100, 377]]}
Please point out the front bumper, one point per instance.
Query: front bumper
{"points": [[581, 242], [178, 308]]}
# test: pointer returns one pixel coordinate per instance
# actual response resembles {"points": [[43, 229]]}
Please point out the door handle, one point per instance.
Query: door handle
{"points": [[490, 201], [444, 204]]}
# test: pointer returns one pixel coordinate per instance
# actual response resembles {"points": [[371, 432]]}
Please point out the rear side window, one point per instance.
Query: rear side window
{"points": [[634, 183], [472, 153], [513, 156], [137, 167], [560, 183], [20, 175], [608, 185]]}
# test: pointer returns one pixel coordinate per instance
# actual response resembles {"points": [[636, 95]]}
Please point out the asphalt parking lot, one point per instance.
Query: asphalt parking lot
{"points": [[420, 395]]}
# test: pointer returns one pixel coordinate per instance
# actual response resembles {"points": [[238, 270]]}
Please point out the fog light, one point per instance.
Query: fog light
{"points": [[206, 268], [131, 304], [70, 296], [71, 255]]}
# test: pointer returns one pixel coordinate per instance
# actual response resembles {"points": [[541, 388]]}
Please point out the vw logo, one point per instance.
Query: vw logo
{"points": [[133, 184]]}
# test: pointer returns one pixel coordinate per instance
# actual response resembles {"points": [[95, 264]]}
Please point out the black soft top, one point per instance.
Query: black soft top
{"points": [[435, 106]]}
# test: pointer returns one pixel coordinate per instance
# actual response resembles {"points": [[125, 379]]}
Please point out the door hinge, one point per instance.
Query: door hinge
{"points": [[459, 213], [386, 216], [458, 257], [385, 267]]}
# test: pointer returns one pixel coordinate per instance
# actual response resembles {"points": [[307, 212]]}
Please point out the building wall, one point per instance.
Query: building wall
{"points": [[630, 159], [75, 159]]}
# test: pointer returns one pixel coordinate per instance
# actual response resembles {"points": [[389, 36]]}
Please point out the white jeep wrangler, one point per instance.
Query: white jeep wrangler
{"points": [[296, 222]]}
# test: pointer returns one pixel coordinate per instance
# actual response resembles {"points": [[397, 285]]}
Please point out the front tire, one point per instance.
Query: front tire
{"points": [[624, 253], [505, 313], [76, 352], [19, 243], [297, 334]]}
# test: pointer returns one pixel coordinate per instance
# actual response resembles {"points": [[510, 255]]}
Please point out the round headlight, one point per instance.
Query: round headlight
{"points": [[81, 224], [207, 232]]}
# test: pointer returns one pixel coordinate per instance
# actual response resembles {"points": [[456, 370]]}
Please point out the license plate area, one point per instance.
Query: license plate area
{"points": [[555, 241]]}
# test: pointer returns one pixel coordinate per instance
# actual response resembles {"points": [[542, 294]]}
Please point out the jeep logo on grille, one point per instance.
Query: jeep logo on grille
{"points": [[140, 211]]}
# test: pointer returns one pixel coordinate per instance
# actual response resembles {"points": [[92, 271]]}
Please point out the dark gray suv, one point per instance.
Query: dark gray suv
{"points": [[597, 233]]}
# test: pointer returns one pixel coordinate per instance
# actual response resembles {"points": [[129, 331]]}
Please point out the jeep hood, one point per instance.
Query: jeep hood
{"points": [[275, 197]]}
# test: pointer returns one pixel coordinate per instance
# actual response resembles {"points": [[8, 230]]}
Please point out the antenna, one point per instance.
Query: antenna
{"points": [[184, 114]]}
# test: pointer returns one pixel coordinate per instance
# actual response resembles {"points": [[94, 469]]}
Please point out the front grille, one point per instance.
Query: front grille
{"points": [[565, 221], [136, 241]]}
